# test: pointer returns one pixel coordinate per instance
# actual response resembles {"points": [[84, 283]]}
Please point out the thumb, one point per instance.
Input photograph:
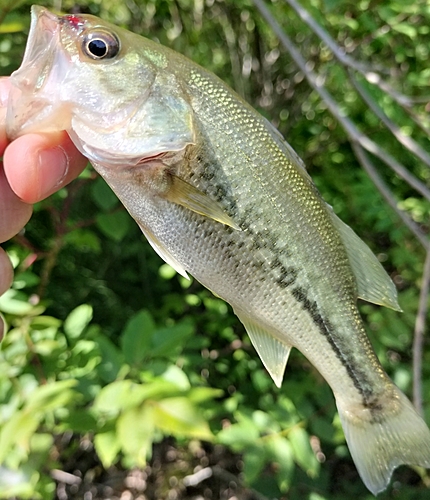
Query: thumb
{"points": [[37, 165]]}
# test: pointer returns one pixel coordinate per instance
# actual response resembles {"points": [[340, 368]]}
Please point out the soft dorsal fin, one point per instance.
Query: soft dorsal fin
{"points": [[374, 284], [164, 253], [188, 196], [273, 353]]}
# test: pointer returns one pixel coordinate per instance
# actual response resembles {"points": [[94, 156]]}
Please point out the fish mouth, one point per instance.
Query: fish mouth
{"points": [[31, 106], [44, 27]]}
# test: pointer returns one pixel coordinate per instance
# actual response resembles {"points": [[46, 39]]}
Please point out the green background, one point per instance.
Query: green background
{"points": [[118, 375]]}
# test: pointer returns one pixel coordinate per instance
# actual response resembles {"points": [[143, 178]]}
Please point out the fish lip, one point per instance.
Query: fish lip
{"points": [[41, 20], [26, 102]]}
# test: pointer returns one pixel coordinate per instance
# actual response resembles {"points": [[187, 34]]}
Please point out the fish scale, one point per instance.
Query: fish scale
{"points": [[221, 195]]}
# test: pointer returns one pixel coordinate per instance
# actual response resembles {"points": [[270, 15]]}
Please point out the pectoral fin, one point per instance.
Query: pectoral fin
{"points": [[188, 196], [373, 283], [273, 353], [164, 253]]}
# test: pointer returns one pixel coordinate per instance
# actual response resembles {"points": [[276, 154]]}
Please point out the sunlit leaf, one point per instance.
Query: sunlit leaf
{"points": [[135, 429], [302, 451], [107, 446], [178, 416], [78, 320]]}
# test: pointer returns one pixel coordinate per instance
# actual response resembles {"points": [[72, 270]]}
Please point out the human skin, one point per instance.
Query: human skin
{"points": [[34, 166]]}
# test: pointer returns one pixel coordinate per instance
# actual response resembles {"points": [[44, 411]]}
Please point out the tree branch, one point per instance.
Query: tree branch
{"points": [[417, 349], [368, 166], [350, 128], [370, 75], [405, 140]]}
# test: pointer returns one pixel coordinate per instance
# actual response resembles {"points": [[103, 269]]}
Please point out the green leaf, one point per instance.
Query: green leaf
{"points": [[83, 239], [18, 431], [79, 420], [114, 225], [179, 417], [50, 396], [168, 339], [42, 322], [135, 429], [136, 337], [103, 195], [25, 279], [41, 442], [405, 29], [239, 435], [254, 459], [78, 320], [302, 451], [200, 394], [119, 396], [46, 347], [280, 451], [12, 303], [176, 376], [123, 395], [107, 446], [112, 359]]}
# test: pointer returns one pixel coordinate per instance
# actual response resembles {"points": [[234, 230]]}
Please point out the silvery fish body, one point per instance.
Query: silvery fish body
{"points": [[220, 195]]}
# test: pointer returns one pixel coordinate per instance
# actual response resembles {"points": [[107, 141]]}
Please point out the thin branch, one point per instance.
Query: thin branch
{"points": [[368, 166], [323, 35], [353, 132], [230, 38], [405, 140], [49, 264], [339, 53], [417, 349]]}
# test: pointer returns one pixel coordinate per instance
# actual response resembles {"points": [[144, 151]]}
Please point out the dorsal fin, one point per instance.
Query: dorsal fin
{"points": [[374, 284], [273, 353]]}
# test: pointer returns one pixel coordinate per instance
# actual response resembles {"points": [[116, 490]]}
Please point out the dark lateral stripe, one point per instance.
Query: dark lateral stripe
{"points": [[325, 329], [287, 276]]}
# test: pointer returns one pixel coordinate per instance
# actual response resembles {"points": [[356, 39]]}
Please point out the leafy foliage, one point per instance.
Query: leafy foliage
{"points": [[108, 350]]}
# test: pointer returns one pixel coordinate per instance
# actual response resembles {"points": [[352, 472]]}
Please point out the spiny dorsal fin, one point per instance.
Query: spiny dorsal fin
{"points": [[188, 196], [374, 284], [273, 353]]}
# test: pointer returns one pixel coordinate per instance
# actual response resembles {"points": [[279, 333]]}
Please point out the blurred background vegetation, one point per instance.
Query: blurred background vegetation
{"points": [[120, 379]]}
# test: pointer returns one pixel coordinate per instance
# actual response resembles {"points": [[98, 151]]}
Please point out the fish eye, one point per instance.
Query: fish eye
{"points": [[100, 45]]}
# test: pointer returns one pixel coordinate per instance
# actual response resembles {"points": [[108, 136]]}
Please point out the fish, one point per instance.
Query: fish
{"points": [[221, 196]]}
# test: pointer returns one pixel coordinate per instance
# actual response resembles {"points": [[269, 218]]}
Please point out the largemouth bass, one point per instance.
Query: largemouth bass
{"points": [[220, 195]]}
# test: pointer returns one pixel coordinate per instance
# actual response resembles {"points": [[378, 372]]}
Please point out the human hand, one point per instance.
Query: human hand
{"points": [[34, 166]]}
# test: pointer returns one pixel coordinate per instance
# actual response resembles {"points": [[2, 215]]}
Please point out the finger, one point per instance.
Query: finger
{"points": [[14, 213], [6, 272], [37, 165], [4, 92]]}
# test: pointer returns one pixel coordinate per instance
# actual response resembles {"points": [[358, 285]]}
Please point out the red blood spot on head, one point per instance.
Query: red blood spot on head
{"points": [[75, 21]]}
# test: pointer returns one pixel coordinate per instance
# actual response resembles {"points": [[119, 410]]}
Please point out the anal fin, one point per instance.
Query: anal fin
{"points": [[188, 196], [273, 353]]}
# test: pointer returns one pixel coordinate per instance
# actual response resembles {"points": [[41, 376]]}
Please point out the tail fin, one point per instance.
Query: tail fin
{"points": [[380, 443]]}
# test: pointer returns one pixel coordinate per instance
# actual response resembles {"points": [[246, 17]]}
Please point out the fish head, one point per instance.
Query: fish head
{"points": [[110, 89]]}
